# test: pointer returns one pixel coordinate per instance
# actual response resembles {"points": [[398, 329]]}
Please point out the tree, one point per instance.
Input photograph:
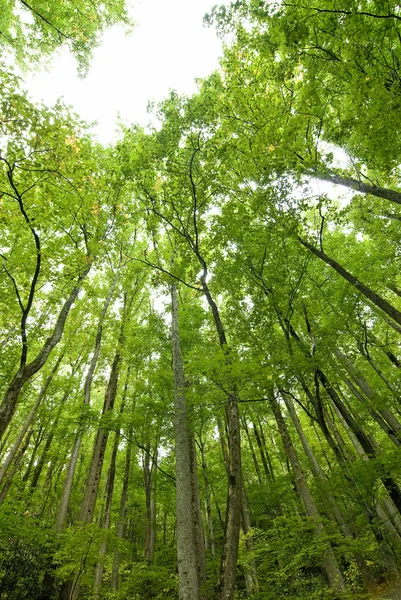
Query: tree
{"points": [[32, 30]]}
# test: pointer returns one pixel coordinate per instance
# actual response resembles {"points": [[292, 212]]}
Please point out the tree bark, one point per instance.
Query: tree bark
{"points": [[377, 300], [99, 448], [105, 524], [26, 371], [330, 502], [229, 556], [207, 496], [61, 516], [358, 186], [386, 414], [367, 445], [14, 448], [329, 563], [122, 520], [188, 583]]}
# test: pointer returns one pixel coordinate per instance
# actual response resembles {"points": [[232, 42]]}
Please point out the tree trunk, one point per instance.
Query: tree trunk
{"points": [[26, 371], [208, 497], [186, 544], [61, 516], [121, 525], [387, 415], [229, 555], [329, 500], [105, 524], [99, 448], [365, 188], [16, 464], [329, 563], [252, 450], [197, 518], [14, 448], [150, 471], [263, 453], [377, 300], [367, 445]]}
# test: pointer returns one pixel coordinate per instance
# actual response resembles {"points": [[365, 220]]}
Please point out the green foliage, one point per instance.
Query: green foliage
{"points": [[146, 581], [217, 201], [27, 545], [33, 30]]}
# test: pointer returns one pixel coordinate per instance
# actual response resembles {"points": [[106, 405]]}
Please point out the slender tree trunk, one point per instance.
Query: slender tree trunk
{"points": [[197, 518], [252, 450], [99, 448], [359, 186], [150, 470], [263, 453], [14, 448], [330, 564], [14, 469], [377, 417], [122, 520], [62, 511], [26, 371], [105, 524], [207, 497], [386, 414], [37, 442], [329, 500], [250, 571], [44, 456], [388, 482], [229, 556], [186, 545], [377, 300]]}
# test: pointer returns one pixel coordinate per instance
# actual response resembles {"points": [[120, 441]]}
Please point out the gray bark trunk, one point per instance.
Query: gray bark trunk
{"points": [[188, 583], [26, 371], [62, 511], [329, 563], [121, 525], [14, 448], [359, 186]]}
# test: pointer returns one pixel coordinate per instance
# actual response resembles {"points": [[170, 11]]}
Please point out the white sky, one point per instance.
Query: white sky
{"points": [[168, 48]]}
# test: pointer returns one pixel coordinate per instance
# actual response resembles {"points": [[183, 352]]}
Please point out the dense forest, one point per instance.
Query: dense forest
{"points": [[200, 324]]}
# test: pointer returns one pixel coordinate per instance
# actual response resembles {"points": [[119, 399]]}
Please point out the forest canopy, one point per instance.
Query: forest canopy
{"points": [[199, 326]]}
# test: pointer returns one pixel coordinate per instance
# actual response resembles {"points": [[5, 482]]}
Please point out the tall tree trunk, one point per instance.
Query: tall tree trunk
{"points": [[99, 448], [229, 556], [376, 416], [188, 583], [250, 573], [377, 402], [26, 371], [150, 473], [43, 458], [359, 186], [252, 450], [367, 445], [329, 500], [105, 524], [197, 517], [122, 519], [263, 453], [377, 300], [329, 563], [207, 496], [61, 516], [14, 469], [37, 442], [14, 448]]}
